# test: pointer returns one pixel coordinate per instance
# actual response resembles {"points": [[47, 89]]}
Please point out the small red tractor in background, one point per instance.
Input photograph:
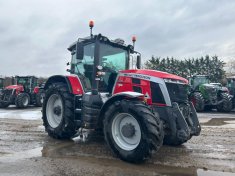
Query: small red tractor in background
{"points": [[24, 92], [137, 110]]}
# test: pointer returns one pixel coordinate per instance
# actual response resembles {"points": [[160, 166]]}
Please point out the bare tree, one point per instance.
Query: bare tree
{"points": [[231, 67]]}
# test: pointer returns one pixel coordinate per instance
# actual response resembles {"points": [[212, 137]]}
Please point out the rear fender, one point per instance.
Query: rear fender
{"points": [[72, 81], [114, 98], [36, 90]]}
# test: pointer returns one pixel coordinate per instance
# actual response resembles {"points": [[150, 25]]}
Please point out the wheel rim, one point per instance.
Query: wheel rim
{"points": [[126, 131], [54, 110], [25, 101], [42, 98]]}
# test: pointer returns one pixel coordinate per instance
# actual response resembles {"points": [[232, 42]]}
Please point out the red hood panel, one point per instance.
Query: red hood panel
{"points": [[19, 87], [156, 73]]}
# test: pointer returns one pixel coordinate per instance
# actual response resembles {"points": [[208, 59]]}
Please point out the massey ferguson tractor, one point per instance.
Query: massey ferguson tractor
{"points": [[206, 96], [137, 110], [23, 93]]}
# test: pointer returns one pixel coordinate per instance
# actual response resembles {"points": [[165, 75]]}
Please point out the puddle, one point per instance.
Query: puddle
{"points": [[201, 172], [219, 122], [25, 114], [11, 157], [70, 151]]}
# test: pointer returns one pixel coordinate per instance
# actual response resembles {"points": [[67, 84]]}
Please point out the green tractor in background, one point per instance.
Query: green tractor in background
{"points": [[231, 88], [206, 96]]}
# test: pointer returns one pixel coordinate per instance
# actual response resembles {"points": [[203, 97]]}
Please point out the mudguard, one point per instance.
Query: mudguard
{"points": [[72, 81], [117, 97], [36, 89]]}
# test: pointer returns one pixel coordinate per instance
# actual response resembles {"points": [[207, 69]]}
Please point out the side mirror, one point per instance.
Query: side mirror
{"points": [[138, 63], [79, 51]]}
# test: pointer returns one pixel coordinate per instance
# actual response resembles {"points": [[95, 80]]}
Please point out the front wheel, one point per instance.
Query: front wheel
{"points": [[22, 100], [198, 101], [58, 112], [132, 131], [227, 104]]}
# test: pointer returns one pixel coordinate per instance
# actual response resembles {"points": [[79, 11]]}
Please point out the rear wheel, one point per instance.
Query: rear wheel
{"points": [[58, 112], [39, 98], [198, 101], [132, 131], [227, 104], [22, 100]]}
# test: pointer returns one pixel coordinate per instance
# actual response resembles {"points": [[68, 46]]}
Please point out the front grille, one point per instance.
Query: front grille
{"points": [[177, 92], [157, 96], [212, 93]]}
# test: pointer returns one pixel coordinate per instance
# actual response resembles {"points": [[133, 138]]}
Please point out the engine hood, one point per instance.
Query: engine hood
{"points": [[158, 74], [209, 85], [17, 87]]}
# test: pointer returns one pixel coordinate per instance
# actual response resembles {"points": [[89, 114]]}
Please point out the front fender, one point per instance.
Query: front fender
{"points": [[117, 97]]}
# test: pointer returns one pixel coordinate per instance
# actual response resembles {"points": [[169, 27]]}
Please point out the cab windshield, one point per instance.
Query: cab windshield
{"points": [[113, 58], [200, 80], [23, 81]]}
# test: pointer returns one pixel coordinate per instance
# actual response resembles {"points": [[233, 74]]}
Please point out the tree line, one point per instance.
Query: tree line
{"points": [[211, 66]]}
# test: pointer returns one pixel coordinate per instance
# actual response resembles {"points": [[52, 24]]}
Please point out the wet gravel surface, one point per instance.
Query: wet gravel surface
{"points": [[25, 149]]}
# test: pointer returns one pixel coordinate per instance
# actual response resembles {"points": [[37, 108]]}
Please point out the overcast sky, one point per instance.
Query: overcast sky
{"points": [[35, 34]]}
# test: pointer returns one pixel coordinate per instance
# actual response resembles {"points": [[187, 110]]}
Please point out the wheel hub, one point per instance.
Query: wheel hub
{"points": [[128, 130], [57, 110]]}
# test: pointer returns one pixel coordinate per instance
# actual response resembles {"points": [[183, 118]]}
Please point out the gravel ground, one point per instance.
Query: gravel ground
{"points": [[25, 149]]}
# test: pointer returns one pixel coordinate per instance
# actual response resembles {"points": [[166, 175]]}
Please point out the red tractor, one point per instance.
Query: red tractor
{"points": [[25, 92], [137, 110]]}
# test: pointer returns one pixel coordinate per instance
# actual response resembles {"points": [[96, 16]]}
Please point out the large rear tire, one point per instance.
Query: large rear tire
{"points": [[58, 112], [198, 101], [132, 131], [227, 104], [22, 100]]}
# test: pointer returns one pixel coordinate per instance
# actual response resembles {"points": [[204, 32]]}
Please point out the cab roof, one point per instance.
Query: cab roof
{"points": [[116, 43]]}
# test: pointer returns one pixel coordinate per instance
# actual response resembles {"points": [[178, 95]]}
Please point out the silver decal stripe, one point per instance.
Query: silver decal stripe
{"points": [[115, 83], [160, 81]]}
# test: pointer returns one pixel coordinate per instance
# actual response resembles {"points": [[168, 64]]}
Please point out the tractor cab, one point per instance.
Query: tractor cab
{"points": [[28, 82], [197, 80], [96, 60]]}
